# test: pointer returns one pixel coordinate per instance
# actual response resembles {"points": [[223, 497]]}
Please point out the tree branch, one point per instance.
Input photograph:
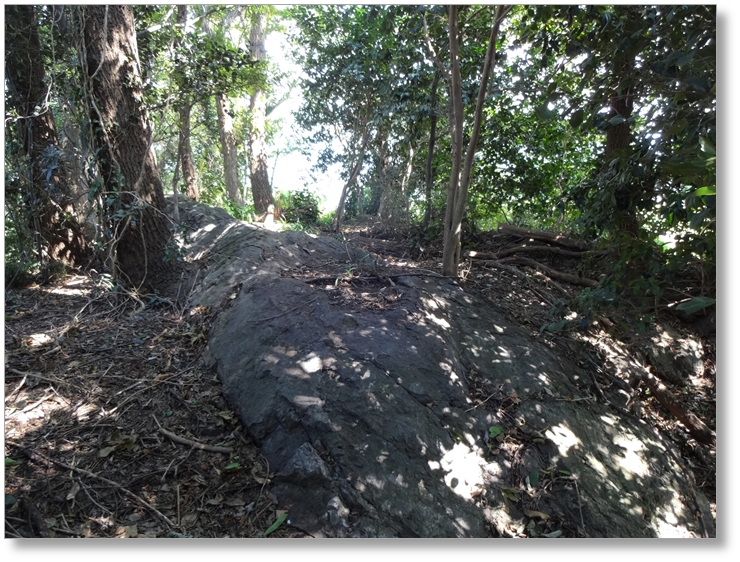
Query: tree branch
{"points": [[433, 53]]}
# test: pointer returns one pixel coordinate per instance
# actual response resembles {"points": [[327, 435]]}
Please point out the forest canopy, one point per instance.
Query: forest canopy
{"points": [[596, 121]]}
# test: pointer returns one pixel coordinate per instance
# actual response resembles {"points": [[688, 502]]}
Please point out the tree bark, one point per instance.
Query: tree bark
{"points": [[405, 182], [354, 172], [619, 138], [541, 235], [457, 192], [126, 159], [185, 154], [228, 150], [379, 183], [49, 202], [261, 189], [429, 179]]}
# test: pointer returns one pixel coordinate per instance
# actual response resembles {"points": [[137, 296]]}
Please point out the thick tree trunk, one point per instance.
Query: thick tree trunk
{"points": [[140, 227], [261, 189], [49, 200], [185, 154], [451, 245], [619, 138], [228, 150]]}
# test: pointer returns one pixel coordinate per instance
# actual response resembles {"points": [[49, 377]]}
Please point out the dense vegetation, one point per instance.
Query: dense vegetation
{"points": [[597, 121]]}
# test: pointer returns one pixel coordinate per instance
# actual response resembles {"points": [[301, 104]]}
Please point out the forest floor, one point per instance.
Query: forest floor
{"points": [[115, 428]]}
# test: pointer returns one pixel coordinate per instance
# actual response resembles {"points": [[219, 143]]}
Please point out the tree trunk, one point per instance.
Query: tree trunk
{"points": [[457, 192], [429, 180], [619, 138], [261, 189], [354, 172], [228, 150], [185, 154], [360, 197], [378, 186], [126, 159], [405, 182], [49, 201]]}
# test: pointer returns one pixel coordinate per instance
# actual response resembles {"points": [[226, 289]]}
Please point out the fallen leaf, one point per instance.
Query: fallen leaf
{"points": [[511, 493], [235, 502], [127, 532], [73, 491], [532, 513], [280, 520]]}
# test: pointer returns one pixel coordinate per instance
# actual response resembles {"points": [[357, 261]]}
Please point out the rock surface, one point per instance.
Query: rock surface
{"points": [[366, 416]]}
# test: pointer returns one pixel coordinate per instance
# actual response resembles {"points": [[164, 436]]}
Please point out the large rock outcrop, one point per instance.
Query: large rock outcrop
{"points": [[367, 416]]}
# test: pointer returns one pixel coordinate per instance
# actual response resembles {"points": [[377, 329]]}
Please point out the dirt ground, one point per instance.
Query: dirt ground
{"points": [[114, 427]]}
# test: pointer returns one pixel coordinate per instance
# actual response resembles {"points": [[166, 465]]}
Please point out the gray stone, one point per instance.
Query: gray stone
{"points": [[368, 421]]}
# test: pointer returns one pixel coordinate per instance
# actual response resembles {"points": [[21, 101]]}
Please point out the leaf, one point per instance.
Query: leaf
{"points": [[105, 451], [494, 431], [707, 146], [696, 304], [543, 112], [511, 493], [532, 513], [280, 520], [564, 472], [702, 191], [232, 466], [534, 477], [235, 502], [576, 119], [699, 85], [553, 535], [73, 491]]}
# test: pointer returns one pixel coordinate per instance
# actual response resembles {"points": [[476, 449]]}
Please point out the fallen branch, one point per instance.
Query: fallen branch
{"points": [[542, 235], [559, 275], [693, 424], [193, 444], [524, 249]]}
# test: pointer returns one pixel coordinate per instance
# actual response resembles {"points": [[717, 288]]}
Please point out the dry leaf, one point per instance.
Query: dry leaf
{"points": [[73, 491], [235, 502], [127, 532], [532, 513]]}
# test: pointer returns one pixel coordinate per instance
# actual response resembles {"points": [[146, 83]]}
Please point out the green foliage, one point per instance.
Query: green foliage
{"points": [[300, 207], [696, 304]]}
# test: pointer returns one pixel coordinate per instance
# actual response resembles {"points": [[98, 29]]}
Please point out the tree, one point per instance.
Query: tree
{"points": [[341, 49], [461, 171], [261, 190], [132, 188], [60, 236], [429, 170], [228, 149], [185, 155]]}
